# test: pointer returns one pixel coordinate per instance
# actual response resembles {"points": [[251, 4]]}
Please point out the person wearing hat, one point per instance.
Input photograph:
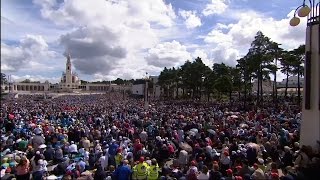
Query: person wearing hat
{"points": [[153, 171], [39, 166], [261, 164], [287, 159], [37, 139], [258, 173], [141, 169], [192, 173], [22, 144], [229, 175]]}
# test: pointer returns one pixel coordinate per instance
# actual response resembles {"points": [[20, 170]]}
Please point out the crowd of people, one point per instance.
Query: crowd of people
{"points": [[103, 136]]}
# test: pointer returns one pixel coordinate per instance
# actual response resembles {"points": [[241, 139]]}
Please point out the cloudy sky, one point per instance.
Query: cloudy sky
{"points": [[126, 38]]}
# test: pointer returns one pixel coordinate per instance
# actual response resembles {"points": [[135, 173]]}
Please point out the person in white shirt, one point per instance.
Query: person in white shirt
{"points": [[104, 160], [143, 136], [204, 175], [73, 148]]}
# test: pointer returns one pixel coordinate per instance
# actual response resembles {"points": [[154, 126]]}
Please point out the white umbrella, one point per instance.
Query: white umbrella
{"points": [[211, 131], [194, 130], [253, 145], [244, 125], [51, 177], [9, 155], [42, 146], [192, 133], [234, 116]]}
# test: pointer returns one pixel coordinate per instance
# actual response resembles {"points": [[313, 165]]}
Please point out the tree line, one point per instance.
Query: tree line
{"points": [[262, 59]]}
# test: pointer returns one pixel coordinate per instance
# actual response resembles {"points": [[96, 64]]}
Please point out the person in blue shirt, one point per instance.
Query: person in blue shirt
{"points": [[123, 172], [112, 152], [82, 165]]}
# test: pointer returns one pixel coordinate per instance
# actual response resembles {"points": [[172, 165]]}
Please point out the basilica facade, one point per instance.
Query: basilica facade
{"points": [[69, 79]]}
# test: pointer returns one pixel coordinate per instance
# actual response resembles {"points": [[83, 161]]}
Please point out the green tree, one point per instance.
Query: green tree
{"points": [[190, 77], [298, 68], [246, 72], [236, 80], [223, 80], [166, 80], [275, 52], [26, 81], [118, 81], [260, 59], [287, 63], [223, 84]]}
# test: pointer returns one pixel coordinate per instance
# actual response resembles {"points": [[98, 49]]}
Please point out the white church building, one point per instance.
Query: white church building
{"points": [[69, 79], [69, 82]]}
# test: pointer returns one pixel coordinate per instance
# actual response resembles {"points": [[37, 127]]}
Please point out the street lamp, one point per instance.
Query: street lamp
{"points": [[146, 98], [202, 84], [310, 125], [304, 10]]}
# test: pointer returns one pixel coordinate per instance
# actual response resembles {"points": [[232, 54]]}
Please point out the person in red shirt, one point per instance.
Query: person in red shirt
{"points": [[170, 149], [138, 146]]}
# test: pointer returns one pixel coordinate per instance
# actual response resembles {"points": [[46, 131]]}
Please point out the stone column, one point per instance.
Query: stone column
{"points": [[310, 125]]}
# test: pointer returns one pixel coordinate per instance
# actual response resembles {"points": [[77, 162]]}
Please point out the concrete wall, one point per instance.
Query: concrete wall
{"points": [[138, 89], [310, 125]]}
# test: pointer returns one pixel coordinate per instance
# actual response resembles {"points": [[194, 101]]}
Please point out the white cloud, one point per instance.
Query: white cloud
{"points": [[215, 7], [234, 39], [204, 56], [126, 38], [110, 37], [191, 18], [107, 12], [168, 54], [31, 53]]}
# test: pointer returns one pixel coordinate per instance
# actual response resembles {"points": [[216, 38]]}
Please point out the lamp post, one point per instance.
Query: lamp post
{"points": [[146, 98], [202, 85], [310, 125]]}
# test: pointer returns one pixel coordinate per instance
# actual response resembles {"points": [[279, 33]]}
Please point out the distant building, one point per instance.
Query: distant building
{"points": [[292, 82], [138, 89], [156, 88], [267, 86], [69, 79], [69, 82], [153, 86]]}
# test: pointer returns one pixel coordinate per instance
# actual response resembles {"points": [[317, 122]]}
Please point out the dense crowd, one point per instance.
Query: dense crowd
{"points": [[105, 137]]}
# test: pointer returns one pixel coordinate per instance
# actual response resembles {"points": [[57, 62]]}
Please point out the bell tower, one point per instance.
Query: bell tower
{"points": [[68, 71]]}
